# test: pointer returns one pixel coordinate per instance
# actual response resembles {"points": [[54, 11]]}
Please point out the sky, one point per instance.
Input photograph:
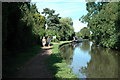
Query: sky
{"points": [[66, 8]]}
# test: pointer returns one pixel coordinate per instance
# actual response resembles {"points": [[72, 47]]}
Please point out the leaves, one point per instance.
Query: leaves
{"points": [[104, 23], [61, 27], [22, 26]]}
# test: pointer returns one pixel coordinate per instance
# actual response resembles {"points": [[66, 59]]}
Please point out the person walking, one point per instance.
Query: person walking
{"points": [[43, 41], [48, 41]]}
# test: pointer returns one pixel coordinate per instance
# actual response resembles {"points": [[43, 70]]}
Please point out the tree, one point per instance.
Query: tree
{"points": [[61, 27], [52, 21], [66, 29], [84, 33], [22, 29], [11, 30], [34, 19], [103, 19], [78, 34]]}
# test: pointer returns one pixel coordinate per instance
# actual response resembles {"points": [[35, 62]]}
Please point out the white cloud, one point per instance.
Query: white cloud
{"points": [[73, 10], [66, 8], [78, 25]]}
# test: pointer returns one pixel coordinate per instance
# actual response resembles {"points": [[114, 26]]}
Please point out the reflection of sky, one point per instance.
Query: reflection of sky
{"points": [[80, 60], [100, 63], [90, 45]]}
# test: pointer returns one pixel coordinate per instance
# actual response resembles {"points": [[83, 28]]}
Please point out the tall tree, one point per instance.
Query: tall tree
{"points": [[103, 19], [66, 29], [52, 21], [85, 33], [22, 26]]}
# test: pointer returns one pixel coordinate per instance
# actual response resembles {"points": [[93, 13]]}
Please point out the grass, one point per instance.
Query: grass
{"points": [[13, 63], [57, 64]]}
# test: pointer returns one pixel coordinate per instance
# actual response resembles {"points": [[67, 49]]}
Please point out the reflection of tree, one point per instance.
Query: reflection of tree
{"points": [[103, 64], [85, 46], [75, 45], [67, 53]]}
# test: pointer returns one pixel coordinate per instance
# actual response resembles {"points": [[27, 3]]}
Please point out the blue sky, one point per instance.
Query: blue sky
{"points": [[66, 8]]}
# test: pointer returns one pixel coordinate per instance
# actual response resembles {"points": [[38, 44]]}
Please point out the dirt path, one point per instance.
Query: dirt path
{"points": [[36, 67]]}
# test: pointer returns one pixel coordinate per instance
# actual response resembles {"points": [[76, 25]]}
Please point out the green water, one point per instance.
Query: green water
{"points": [[90, 61]]}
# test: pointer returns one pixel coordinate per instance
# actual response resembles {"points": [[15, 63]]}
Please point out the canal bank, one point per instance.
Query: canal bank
{"points": [[90, 61], [57, 64]]}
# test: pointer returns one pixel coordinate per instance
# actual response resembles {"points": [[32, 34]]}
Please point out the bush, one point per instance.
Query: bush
{"points": [[55, 40]]}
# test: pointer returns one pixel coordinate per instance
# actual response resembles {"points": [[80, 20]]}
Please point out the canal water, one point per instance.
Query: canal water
{"points": [[90, 61]]}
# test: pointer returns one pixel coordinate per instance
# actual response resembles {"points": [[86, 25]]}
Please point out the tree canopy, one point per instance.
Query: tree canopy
{"points": [[103, 20], [61, 27], [66, 29], [24, 26], [84, 33]]}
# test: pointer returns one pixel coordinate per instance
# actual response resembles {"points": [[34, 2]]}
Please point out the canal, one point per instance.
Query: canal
{"points": [[90, 61]]}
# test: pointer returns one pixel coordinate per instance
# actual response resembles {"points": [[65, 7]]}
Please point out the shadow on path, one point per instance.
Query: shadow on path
{"points": [[36, 67]]}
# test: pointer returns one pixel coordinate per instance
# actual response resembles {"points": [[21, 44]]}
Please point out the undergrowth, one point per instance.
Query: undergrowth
{"points": [[58, 66]]}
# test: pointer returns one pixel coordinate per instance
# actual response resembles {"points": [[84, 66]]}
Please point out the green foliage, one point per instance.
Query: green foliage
{"points": [[103, 20], [22, 26], [84, 33], [78, 34], [27, 26], [61, 27], [52, 21], [39, 21], [55, 40], [50, 33], [66, 29], [58, 65]]}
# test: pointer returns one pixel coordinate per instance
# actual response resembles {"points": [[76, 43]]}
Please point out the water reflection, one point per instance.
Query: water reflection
{"points": [[103, 63], [85, 46], [68, 53], [90, 61]]}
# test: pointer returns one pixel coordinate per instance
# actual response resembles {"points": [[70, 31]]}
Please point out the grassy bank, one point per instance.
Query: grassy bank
{"points": [[57, 64], [13, 63]]}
